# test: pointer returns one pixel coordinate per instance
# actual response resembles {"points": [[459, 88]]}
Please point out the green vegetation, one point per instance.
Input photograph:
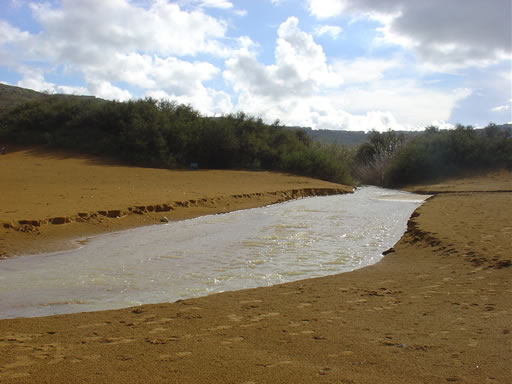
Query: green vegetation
{"points": [[438, 154], [167, 135], [373, 157], [164, 134], [390, 159], [11, 97]]}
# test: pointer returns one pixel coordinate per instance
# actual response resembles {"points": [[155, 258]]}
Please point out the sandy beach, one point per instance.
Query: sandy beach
{"points": [[436, 309]]}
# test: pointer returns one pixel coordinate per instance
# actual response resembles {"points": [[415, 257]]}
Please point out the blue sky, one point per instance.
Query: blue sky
{"points": [[325, 64]]}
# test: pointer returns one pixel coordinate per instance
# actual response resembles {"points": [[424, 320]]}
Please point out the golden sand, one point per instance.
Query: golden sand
{"points": [[436, 310], [51, 198]]}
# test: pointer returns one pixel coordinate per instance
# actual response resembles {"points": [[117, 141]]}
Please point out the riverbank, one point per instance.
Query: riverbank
{"points": [[50, 199], [436, 309]]}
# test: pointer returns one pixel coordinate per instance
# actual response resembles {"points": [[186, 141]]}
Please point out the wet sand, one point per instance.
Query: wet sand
{"points": [[436, 309]]}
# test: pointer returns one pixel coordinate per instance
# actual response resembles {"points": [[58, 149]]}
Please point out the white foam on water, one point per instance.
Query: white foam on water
{"points": [[285, 242]]}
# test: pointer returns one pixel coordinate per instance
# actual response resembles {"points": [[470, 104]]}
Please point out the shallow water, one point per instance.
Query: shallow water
{"points": [[257, 247]]}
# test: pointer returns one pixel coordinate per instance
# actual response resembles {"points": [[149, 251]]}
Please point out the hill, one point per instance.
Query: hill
{"points": [[356, 138], [12, 96]]}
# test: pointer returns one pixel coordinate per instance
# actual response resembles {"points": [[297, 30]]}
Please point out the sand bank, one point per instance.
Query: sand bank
{"points": [[436, 310], [49, 199]]}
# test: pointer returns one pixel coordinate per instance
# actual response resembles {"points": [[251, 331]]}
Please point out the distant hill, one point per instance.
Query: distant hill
{"points": [[348, 138], [326, 136], [504, 128], [11, 96], [356, 138]]}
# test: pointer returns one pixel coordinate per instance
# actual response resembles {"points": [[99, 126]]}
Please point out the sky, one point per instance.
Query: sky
{"points": [[326, 64]]}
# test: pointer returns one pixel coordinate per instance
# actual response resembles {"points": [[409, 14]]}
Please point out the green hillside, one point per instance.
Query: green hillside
{"points": [[164, 134], [11, 96]]}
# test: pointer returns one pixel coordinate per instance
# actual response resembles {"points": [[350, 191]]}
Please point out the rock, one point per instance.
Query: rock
{"points": [[164, 220]]}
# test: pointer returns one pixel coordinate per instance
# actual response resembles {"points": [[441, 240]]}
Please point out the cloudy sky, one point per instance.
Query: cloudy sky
{"points": [[325, 64]]}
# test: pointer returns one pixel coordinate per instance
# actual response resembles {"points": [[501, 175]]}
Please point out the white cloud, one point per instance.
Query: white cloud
{"points": [[501, 108], [326, 8], [410, 102], [11, 41], [88, 30], [223, 4], [10, 34], [33, 78], [504, 107], [302, 88], [106, 90], [364, 70], [240, 12], [446, 35], [120, 42], [162, 50], [208, 101], [331, 30], [300, 67]]}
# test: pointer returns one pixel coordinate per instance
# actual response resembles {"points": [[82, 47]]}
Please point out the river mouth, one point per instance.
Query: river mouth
{"points": [[285, 242]]}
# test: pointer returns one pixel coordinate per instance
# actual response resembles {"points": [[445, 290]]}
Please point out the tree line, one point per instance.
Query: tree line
{"points": [[164, 134], [392, 159]]}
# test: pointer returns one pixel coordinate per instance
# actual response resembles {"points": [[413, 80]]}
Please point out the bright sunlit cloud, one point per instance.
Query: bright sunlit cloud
{"points": [[325, 64]]}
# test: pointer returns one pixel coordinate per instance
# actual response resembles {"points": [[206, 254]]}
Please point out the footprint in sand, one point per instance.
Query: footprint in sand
{"points": [[256, 301], [174, 357], [55, 352], [232, 340], [264, 316], [189, 309], [296, 324], [21, 361], [115, 340], [167, 340], [273, 365], [20, 337], [17, 375], [235, 318], [96, 325]]}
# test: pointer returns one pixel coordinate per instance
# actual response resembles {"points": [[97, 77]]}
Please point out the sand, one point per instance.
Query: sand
{"points": [[436, 309], [51, 199]]}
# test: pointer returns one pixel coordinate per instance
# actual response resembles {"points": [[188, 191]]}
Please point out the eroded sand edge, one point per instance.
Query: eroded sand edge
{"points": [[435, 310]]}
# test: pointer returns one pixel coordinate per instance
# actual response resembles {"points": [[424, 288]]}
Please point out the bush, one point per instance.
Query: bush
{"points": [[436, 154], [164, 134]]}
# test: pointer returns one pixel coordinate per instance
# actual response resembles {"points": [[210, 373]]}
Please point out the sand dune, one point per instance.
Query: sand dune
{"points": [[437, 309]]}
